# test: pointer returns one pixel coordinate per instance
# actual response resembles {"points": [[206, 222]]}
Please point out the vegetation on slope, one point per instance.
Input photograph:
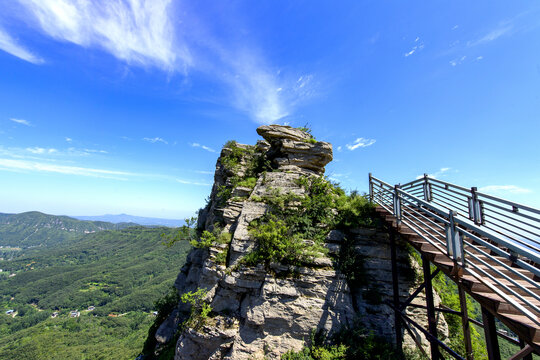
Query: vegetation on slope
{"points": [[85, 337], [294, 229], [33, 228], [118, 272]]}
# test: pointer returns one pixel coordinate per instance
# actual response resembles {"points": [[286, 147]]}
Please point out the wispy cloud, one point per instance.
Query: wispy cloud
{"points": [[15, 160], [440, 173], [39, 150], [417, 47], [458, 61], [138, 32], [189, 182], [360, 142], [94, 151], [197, 145], [25, 165], [155, 140], [502, 189], [69, 139], [21, 121], [492, 35], [204, 172], [10, 45], [166, 35]]}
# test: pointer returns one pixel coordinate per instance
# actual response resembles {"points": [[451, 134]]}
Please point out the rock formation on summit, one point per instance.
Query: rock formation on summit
{"points": [[273, 253]]}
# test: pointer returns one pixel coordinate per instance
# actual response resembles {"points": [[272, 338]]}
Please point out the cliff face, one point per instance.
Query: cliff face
{"points": [[267, 295]]}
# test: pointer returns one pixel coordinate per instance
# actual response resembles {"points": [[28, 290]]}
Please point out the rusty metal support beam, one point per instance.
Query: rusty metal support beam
{"points": [[526, 356], [432, 320], [490, 333], [416, 292], [407, 320], [465, 324], [525, 353]]}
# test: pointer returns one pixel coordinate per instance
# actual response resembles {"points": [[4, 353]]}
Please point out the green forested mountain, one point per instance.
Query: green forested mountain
{"points": [[33, 228], [119, 272]]}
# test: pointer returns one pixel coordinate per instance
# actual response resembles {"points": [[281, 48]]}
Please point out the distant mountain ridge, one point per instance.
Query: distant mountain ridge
{"points": [[33, 228], [141, 220]]}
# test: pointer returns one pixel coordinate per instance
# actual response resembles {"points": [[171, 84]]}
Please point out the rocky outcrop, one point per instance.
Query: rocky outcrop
{"points": [[261, 311], [293, 149]]}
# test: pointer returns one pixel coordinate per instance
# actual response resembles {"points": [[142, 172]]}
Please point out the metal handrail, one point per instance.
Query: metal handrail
{"points": [[469, 218]]}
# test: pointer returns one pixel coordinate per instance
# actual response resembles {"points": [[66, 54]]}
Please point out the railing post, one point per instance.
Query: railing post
{"points": [[454, 240], [397, 205], [428, 196], [476, 208], [370, 188]]}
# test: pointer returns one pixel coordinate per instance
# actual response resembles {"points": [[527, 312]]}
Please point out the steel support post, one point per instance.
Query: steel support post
{"points": [[432, 320], [370, 188], [523, 345], [490, 332], [465, 324], [395, 285]]}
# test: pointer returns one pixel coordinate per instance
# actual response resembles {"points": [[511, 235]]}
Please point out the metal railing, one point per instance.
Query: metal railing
{"points": [[497, 241]]}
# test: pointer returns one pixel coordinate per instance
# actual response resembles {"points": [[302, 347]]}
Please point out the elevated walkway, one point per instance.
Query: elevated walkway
{"points": [[489, 247]]}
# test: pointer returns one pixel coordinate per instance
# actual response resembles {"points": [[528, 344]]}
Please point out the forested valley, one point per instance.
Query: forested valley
{"points": [[81, 289]]}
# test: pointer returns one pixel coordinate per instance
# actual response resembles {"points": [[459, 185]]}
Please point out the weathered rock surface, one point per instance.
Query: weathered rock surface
{"points": [[261, 313], [292, 149], [277, 133]]}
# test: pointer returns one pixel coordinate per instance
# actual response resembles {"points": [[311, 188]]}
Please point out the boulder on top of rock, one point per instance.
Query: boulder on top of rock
{"points": [[273, 133], [293, 149]]}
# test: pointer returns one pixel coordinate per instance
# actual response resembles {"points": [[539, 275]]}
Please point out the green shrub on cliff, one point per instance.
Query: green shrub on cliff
{"points": [[200, 309], [349, 343], [295, 227]]}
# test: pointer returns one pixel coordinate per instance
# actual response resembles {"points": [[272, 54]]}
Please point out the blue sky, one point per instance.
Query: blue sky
{"points": [[123, 106]]}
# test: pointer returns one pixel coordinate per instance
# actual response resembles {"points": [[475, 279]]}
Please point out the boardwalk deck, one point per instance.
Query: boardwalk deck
{"points": [[484, 258]]}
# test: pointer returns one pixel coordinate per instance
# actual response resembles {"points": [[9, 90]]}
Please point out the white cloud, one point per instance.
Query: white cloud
{"points": [[492, 35], [501, 189], [24, 165], [69, 139], [188, 182], [21, 121], [455, 27], [50, 153], [458, 61], [138, 32], [203, 147], [155, 140], [166, 35], [39, 150], [339, 148], [360, 142], [441, 173], [35, 164], [478, 58], [410, 52], [204, 172], [90, 151], [10, 45], [415, 48], [264, 94]]}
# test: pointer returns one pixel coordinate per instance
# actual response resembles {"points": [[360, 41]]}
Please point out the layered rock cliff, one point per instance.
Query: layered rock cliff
{"points": [[282, 253]]}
